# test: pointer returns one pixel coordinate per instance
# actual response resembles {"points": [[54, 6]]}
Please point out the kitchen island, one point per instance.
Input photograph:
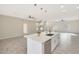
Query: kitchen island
{"points": [[42, 44]]}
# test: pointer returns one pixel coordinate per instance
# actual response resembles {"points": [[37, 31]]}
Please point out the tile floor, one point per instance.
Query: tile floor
{"points": [[16, 45], [69, 44]]}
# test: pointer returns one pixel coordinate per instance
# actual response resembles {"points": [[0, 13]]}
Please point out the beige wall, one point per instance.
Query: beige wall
{"points": [[12, 27], [0, 26], [73, 26], [67, 26], [31, 27]]}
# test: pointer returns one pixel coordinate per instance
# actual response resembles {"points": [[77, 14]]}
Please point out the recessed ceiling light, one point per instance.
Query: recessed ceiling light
{"points": [[62, 6]]}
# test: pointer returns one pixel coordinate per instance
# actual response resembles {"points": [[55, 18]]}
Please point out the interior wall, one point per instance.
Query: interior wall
{"points": [[73, 26], [0, 26], [31, 27], [10, 27], [67, 26]]}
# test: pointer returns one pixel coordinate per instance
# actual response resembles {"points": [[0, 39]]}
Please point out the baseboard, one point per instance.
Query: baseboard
{"points": [[10, 36]]}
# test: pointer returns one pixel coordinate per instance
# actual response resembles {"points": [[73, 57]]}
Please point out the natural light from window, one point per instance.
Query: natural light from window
{"points": [[25, 28]]}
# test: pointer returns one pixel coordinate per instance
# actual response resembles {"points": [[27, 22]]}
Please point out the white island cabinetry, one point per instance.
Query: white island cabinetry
{"points": [[41, 44]]}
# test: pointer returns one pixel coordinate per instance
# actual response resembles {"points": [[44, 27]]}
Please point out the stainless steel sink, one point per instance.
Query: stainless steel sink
{"points": [[49, 34]]}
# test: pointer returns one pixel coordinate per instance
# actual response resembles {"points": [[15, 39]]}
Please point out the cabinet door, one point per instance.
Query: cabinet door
{"points": [[34, 47], [47, 47], [54, 42]]}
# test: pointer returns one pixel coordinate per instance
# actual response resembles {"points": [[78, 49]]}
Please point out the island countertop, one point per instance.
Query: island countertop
{"points": [[42, 38]]}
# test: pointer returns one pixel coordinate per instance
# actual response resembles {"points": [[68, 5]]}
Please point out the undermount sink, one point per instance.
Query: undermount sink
{"points": [[49, 34]]}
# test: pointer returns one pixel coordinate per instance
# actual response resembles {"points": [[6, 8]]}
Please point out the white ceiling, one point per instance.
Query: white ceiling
{"points": [[54, 11]]}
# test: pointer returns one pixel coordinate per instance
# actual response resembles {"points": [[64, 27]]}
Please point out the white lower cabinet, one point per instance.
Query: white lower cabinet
{"points": [[34, 47], [41, 45], [54, 42]]}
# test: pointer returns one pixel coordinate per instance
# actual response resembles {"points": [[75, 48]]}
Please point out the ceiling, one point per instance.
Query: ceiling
{"points": [[41, 11]]}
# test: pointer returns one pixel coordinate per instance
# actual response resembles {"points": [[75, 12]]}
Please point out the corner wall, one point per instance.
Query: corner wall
{"points": [[68, 26], [13, 27], [73, 26], [10, 27]]}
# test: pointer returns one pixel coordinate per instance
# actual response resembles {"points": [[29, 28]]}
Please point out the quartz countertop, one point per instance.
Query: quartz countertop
{"points": [[42, 38]]}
